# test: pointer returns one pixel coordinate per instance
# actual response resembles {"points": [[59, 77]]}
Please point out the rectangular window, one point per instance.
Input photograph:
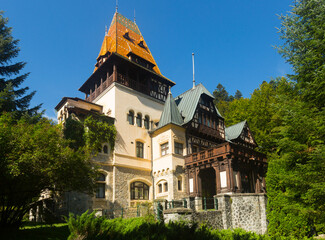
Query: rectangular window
{"points": [[179, 184], [139, 120], [178, 148], [165, 187], [223, 179], [159, 188], [191, 185], [131, 118], [194, 149], [164, 149], [208, 121], [146, 122], [100, 191], [139, 149]]}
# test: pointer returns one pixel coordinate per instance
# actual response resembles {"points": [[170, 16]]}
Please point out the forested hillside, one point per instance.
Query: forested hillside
{"points": [[287, 117]]}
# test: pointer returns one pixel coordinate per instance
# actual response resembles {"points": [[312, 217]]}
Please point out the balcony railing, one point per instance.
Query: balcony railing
{"points": [[222, 151], [100, 89]]}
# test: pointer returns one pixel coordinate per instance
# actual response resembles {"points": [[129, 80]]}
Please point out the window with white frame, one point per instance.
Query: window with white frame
{"points": [[178, 148], [162, 186], [165, 186], [164, 149]]}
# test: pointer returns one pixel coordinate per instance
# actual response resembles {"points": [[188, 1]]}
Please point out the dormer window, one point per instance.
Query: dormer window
{"points": [[127, 36], [141, 44]]}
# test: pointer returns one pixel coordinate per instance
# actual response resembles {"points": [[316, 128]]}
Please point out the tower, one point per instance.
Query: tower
{"points": [[166, 148]]}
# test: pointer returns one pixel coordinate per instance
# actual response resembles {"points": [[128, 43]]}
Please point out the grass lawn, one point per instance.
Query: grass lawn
{"points": [[32, 231]]}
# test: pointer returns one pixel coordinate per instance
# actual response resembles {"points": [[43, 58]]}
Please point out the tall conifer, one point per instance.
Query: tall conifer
{"points": [[13, 98]]}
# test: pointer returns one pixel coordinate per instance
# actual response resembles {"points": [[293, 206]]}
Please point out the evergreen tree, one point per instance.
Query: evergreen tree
{"points": [[295, 179], [303, 33], [12, 97], [238, 95], [220, 93]]}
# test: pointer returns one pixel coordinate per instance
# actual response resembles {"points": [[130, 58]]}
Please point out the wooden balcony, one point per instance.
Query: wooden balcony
{"points": [[222, 151], [100, 89]]}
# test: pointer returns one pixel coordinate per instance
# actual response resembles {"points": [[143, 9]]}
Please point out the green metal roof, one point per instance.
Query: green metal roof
{"points": [[187, 101], [234, 131], [170, 113]]}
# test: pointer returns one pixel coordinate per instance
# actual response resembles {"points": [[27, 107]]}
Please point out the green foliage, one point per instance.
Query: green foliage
{"points": [[98, 132], [35, 157], [12, 98], [259, 111], [89, 134], [303, 33], [220, 94], [295, 180], [74, 130], [87, 227]]}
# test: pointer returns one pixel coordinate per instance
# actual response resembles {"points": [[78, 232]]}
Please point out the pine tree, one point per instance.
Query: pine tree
{"points": [[238, 95], [12, 97]]}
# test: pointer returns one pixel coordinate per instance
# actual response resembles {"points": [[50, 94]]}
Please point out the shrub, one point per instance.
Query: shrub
{"points": [[89, 227]]}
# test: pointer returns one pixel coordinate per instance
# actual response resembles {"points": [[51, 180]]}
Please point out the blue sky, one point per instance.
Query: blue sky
{"points": [[232, 40]]}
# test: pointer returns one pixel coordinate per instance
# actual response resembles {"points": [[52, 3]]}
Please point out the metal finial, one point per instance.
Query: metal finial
{"points": [[106, 30], [169, 92], [116, 5], [193, 71], [134, 16]]}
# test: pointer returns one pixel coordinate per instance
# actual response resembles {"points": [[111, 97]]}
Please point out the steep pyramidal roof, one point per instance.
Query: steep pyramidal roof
{"points": [[170, 113], [125, 38]]}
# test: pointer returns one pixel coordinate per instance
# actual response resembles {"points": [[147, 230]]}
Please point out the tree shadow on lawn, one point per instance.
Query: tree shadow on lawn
{"points": [[38, 232]]}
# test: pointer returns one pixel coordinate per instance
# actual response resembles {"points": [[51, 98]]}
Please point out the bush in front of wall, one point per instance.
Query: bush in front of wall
{"points": [[89, 227]]}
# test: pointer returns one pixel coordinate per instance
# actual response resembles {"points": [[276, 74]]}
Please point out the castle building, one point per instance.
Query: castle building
{"points": [[166, 148]]}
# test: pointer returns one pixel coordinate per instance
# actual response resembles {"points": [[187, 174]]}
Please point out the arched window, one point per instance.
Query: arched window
{"points": [[139, 120], [139, 191], [139, 149], [146, 122], [179, 183], [105, 149], [162, 186], [101, 183], [131, 117]]}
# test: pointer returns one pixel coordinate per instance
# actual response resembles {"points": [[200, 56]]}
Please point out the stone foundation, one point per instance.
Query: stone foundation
{"points": [[246, 211]]}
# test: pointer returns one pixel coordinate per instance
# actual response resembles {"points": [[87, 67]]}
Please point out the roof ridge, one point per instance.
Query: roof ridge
{"points": [[237, 123]]}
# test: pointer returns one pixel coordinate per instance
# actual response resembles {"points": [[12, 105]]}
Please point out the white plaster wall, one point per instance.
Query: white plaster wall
{"points": [[120, 100], [107, 100], [170, 160]]}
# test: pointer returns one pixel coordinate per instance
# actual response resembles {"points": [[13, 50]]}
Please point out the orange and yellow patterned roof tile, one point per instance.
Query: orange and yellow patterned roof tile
{"points": [[115, 40]]}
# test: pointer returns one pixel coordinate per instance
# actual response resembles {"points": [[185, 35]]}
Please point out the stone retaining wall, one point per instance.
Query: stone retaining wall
{"points": [[246, 211]]}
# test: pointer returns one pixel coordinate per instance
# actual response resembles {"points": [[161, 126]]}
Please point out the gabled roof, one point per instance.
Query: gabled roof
{"points": [[234, 131], [188, 101], [170, 113], [125, 38]]}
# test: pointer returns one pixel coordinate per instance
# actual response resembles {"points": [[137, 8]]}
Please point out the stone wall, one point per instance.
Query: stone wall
{"points": [[123, 177], [246, 211], [212, 218]]}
